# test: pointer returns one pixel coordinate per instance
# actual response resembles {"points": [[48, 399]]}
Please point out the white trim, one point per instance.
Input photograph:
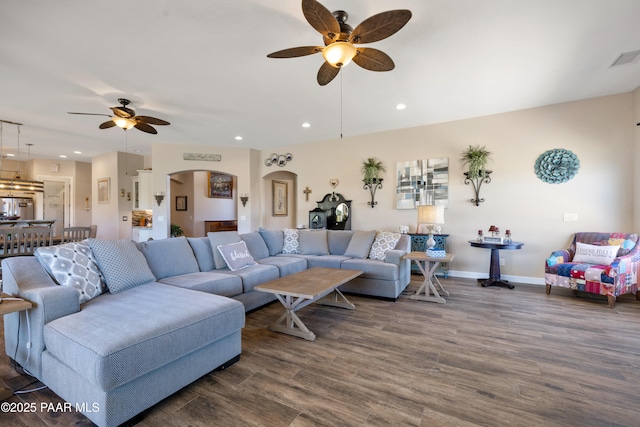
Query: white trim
{"points": [[513, 279]]}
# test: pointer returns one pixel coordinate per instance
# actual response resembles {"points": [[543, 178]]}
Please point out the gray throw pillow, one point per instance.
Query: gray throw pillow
{"points": [[360, 244], [313, 242], [236, 255], [169, 257], [203, 252], [121, 263], [218, 238], [274, 240], [72, 264], [338, 241], [256, 245]]}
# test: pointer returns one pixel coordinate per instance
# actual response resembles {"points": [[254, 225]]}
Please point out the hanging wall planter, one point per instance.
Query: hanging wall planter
{"points": [[371, 169], [475, 159]]}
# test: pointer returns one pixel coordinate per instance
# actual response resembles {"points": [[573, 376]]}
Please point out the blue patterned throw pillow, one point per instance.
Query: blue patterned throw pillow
{"points": [[73, 264]]}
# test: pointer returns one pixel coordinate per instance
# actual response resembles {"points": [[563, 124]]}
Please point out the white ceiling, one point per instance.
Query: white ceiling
{"points": [[202, 65]]}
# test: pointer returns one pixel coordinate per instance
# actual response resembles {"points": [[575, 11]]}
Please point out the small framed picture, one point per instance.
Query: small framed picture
{"points": [[280, 200], [104, 190], [181, 203]]}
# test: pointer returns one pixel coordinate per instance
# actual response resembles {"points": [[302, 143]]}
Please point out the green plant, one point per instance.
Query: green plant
{"points": [[176, 230], [475, 158], [371, 169]]}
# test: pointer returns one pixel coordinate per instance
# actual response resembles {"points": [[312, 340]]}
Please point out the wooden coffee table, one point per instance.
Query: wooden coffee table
{"points": [[298, 290]]}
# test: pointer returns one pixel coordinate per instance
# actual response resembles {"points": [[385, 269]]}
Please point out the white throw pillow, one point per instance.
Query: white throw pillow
{"points": [[236, 255], [385, 241], [595, 254], [291, 241]]}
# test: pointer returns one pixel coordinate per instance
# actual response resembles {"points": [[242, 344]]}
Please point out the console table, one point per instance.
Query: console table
{"points": [[419, 244], [494, 267]]}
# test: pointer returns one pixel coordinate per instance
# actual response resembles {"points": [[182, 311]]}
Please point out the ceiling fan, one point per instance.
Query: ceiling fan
{"points": [[339, 39], [125, 118]]}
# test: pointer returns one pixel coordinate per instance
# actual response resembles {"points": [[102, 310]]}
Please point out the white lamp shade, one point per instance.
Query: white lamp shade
{"points": [[339, 54], [430, 214]]}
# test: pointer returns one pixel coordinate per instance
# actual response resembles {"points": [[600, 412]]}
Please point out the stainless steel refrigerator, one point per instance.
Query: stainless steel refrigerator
{"points": [[16, 207]]}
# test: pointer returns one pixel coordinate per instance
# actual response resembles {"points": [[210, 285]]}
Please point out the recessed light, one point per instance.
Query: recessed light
{"points": [[10, 155], [400, 107], [306, 125], [238, 138], [77, 152], [62, 156]]}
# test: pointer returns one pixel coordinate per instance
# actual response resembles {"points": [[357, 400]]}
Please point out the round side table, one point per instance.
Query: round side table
{"points": [[494, 266]]}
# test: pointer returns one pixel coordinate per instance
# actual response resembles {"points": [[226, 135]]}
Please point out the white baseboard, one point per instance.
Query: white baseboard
{"points": [[514, 279]]}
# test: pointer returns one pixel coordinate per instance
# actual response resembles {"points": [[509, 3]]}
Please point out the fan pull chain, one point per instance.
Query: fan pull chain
{"points": [[126, 153], [341, 104], [19, 171]]}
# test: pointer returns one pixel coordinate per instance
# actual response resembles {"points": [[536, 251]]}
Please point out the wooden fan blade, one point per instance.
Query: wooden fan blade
{"points": [[326, 73], [107, 125], [90, 114], [373, 59], [124, 112], [152, 120], [295, 52], [145, 128], [320, 18], [380, 26]]}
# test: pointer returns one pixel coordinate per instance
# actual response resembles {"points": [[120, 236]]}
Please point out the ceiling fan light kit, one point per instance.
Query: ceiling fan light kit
{"points": [[339, 54], [125, 118], [339, 39]]}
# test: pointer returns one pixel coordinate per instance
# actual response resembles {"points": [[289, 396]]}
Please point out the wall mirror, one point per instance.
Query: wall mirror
{"points": [[342, 213], [422, 182]]}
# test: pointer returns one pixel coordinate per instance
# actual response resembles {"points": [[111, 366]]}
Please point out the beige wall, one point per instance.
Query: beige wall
{"points": [[599, 131], [241, 162], [120, 168]]}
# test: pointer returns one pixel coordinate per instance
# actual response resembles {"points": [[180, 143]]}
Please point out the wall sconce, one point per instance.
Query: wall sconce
{"points": [[159, 197], [244, 198], [87, 206], [372, 185], [477, 183]]}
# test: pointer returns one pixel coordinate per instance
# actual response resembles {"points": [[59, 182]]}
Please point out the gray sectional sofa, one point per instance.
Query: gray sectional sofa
{"points": [[170, 310]]}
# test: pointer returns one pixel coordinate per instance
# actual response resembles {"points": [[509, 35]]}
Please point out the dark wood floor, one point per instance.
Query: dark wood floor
{"points": [[489, 356]]}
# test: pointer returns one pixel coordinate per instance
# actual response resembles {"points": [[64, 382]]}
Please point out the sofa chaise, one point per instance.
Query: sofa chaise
{"points": [[133, 323]]}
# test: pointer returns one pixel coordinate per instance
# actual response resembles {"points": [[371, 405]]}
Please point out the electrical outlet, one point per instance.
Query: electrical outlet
{"points": [[570, 216], [502, 262]]}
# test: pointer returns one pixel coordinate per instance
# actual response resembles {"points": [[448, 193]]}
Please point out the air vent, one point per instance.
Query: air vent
{"points": [[627, 58]]}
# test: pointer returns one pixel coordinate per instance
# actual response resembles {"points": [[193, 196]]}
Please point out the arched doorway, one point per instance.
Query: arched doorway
{"points": [[280, 200], [198, 196]]}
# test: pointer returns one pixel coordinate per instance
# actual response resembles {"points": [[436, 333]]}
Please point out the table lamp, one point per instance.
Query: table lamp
{"points": [[428, 218]]}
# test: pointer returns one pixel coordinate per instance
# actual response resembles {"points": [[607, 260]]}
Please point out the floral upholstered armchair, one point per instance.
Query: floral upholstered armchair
{"points": [[599, 263]]}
